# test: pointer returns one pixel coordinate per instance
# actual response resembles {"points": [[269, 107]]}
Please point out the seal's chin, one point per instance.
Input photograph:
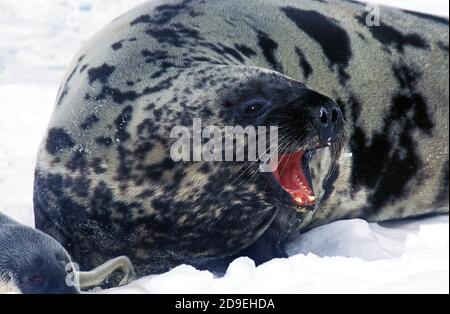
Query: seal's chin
{"points": [[293, 175]]}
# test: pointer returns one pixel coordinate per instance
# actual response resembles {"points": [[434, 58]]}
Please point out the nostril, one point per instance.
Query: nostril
{"points": [[334, 115], [323, 116]]}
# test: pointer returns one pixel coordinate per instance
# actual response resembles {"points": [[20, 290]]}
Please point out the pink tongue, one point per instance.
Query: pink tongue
{"points": [[291, 177]]}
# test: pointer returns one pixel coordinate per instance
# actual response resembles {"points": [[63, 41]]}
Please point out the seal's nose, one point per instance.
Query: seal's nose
{"points": [[327, 119]]}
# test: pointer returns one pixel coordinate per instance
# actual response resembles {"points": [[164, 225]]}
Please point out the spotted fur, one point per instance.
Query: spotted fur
{"points": [[105, 184]]}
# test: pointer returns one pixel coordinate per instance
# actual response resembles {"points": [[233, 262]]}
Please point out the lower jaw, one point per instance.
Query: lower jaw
{"points": [[286, 200]]}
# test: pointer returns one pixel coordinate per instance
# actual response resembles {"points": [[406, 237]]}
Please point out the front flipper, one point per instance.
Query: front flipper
{"points": [[98, 276], [271, 244], [267, 247]]}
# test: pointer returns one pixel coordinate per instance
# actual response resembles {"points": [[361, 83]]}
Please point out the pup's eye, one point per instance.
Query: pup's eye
{"points": [[36, 280], [253, 107]]}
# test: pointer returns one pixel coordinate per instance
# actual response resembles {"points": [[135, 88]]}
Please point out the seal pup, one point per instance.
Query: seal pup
{"points": [[32, 262]]}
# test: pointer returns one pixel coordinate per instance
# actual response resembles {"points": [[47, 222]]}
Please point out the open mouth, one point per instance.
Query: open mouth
{"points": [[294, 177]]}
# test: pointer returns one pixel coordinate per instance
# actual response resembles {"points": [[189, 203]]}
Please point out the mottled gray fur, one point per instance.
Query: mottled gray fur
{"points": [[105, 183]]}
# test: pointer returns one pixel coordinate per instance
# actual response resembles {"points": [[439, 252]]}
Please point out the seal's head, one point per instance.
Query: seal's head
{"points": [[32, 262], [310, 128]]}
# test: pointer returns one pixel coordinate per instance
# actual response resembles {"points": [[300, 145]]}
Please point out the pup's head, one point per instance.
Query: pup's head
{"points": [[32, 262]]}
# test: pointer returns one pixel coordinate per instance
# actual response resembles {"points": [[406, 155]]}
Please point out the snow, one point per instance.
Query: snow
{"points": [[344, 257], [40, 37]]}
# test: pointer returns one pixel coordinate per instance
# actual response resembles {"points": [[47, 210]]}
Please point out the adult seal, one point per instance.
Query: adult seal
{"points": [[362, 113]]}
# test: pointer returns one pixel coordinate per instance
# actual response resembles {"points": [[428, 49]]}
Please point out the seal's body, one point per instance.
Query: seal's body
{"points": [[375, 147]]}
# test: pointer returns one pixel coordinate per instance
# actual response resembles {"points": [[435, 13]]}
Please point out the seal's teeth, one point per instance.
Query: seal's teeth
{"points": [[311, 198], [298, 199]]}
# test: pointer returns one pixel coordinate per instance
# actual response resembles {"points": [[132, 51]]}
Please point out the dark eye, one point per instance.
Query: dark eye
{"points": [[36, 280], [253, 107]]}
